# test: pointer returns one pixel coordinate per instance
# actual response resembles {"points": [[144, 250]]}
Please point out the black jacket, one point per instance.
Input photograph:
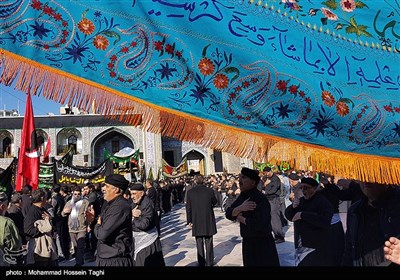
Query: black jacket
{"points": [[389, 220], [199, 210], [148, 219], [115, 232], [258, 222], [313, 230]]}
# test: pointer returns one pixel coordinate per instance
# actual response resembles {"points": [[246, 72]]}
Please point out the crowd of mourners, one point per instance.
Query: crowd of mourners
{"points": [[118, 223]]}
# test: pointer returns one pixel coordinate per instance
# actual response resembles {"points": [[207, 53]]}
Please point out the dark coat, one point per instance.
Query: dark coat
{"points": [[148, 219], [200, 212], [258, 247], [153, 195], [35, 213], [26, 203], [94, 201], [313, 230], [115, 232], [273, 188], [389, 221], [151, 255], [15, 213], [58, 204]]}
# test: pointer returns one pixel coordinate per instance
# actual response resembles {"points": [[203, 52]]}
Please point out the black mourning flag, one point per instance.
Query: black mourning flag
{"points": [[7, 179]]}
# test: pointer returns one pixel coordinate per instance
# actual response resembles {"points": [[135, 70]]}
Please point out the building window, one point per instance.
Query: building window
{"points": [[6, 147], [69, 138], [40, 142], [218, 165], [72, 141], [6, 144]]}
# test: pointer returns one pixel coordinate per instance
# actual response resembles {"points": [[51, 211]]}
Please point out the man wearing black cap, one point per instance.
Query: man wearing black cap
{"points": [[147, 245], [296, 192], [272, 191], [114, 225], [311, 219], [253, 211]]}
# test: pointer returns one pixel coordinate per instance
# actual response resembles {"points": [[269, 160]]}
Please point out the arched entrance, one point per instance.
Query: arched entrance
{"points": [[196, 162], [112, 141], [69, 138], [6, 141]]}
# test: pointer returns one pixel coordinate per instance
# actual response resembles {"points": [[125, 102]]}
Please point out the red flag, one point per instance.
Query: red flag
{"points": [[29, 156], [47, 151]]}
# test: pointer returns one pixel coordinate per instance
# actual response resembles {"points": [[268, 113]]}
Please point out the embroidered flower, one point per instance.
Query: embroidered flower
{"points": [[328, 98], [206, 66], [169, 49], [329, 14], [100, 42], [221, 81], [37, 5], [86, 26], [388, 108], [158, 45], [293, 89], [348, 5], [342, 108], [282, 85]]}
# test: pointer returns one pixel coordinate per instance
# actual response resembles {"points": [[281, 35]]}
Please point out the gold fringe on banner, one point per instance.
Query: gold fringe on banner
{"points": [[64, 88]]}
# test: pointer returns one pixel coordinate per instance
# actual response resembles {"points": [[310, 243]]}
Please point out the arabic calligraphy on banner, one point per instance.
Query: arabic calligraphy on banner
{"points": [[67, 175], [46, 175], [240, 76]]}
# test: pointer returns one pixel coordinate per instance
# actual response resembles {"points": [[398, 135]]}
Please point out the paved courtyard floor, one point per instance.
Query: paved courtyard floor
{"points": [[179, 246]]}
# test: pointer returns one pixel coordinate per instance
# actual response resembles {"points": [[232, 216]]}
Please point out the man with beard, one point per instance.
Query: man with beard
{"points": [[75, 209], [311, 215], [253, 211], [147, 248], [113, 229]]}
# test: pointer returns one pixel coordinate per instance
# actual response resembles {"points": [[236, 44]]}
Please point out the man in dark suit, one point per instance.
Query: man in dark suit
{"points": [[253, 211], [200, 216], [113, 228]]}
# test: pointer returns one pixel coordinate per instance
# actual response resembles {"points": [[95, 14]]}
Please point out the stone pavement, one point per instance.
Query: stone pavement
{"points": [[179, 247]]}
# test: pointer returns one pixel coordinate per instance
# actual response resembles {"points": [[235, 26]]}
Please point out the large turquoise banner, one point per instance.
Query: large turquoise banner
{"points": [[314, 83]]}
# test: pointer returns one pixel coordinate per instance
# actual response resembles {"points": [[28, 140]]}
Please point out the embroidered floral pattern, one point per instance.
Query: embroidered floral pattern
{"points": [[331, 10], [258, 76]]}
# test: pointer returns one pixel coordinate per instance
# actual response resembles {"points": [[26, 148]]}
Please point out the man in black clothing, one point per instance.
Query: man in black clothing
{"points": [[331, 193], [26, 199], [200, 217], [253, 211], [60, 223], [311, 215], [37, 212], [148, 251], [114, 225], [371, 221], [272, 191], [152, 193], [14, 212], [90, 194]]}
